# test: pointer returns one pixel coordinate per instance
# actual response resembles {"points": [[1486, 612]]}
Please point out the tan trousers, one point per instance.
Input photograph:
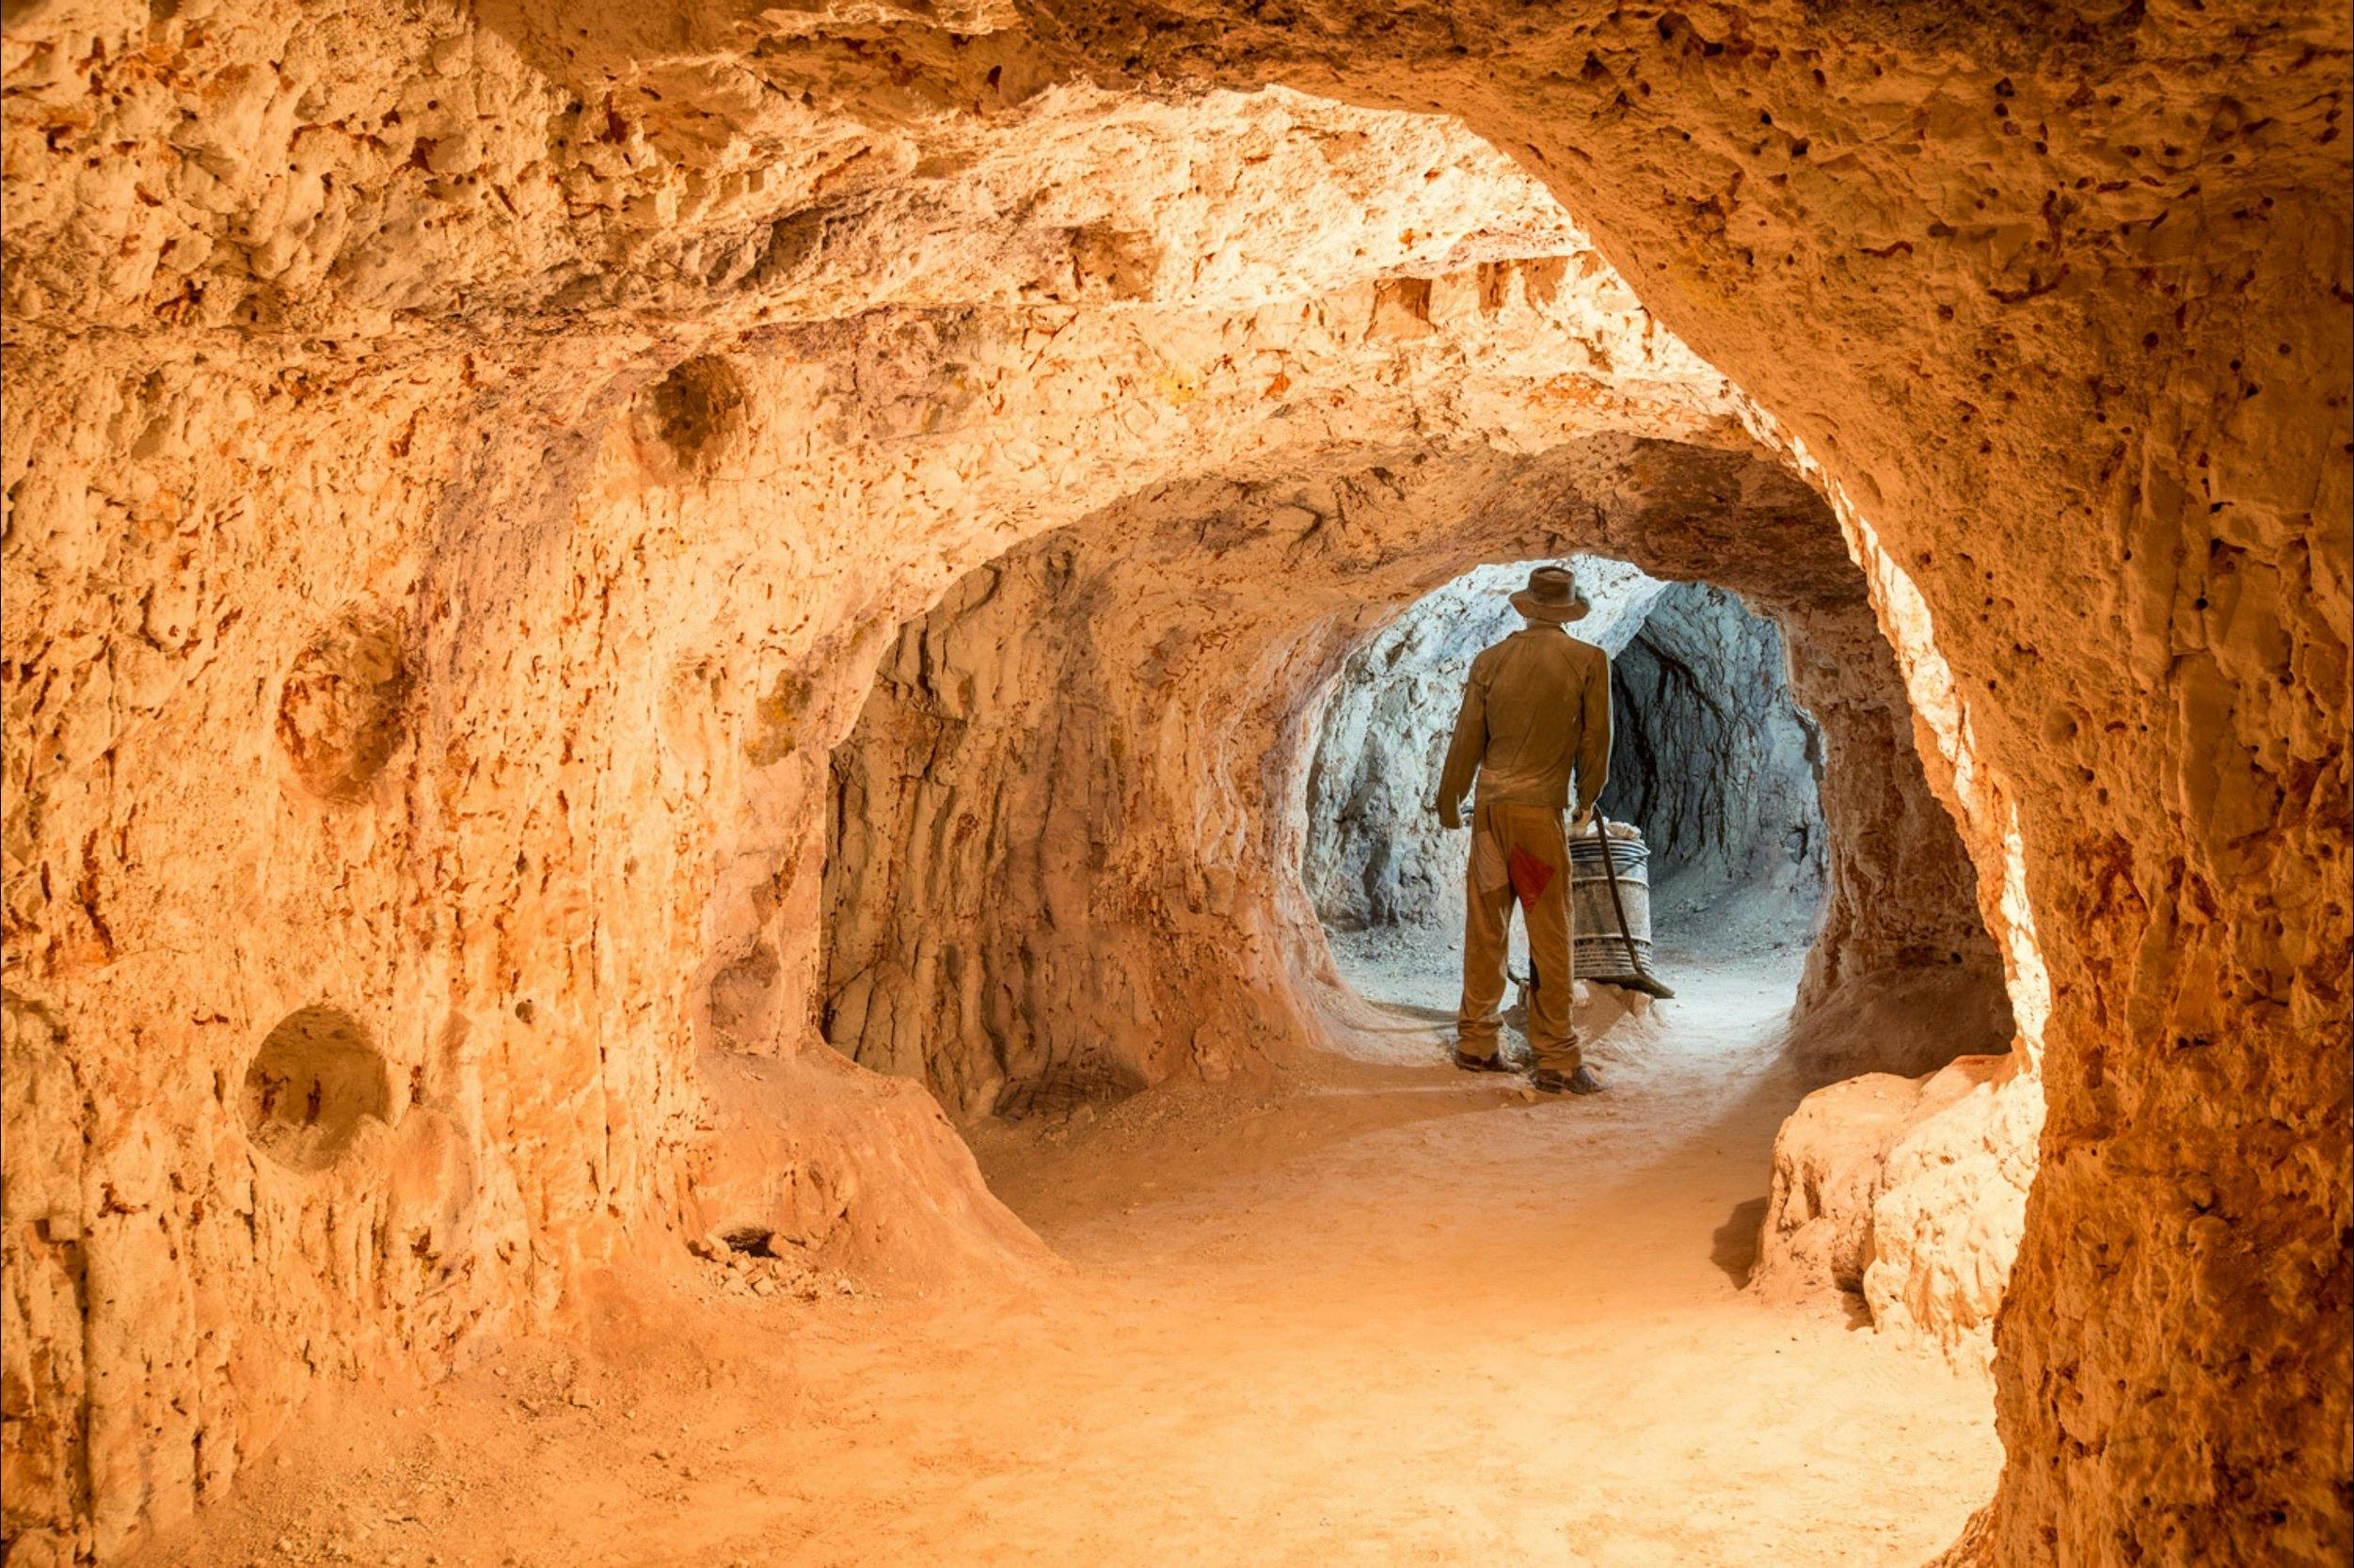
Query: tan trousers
{"points": [[1488, 899]]}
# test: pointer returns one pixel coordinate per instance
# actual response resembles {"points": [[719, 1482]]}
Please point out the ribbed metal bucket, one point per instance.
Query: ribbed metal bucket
{"points": [[1598, 950]]}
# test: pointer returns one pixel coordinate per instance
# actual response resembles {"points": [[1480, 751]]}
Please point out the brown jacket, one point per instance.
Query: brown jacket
{"points": [[1535, 711]]}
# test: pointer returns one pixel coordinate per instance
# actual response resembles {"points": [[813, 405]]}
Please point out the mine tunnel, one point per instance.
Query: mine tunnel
{"points": [[720, 731], [1016, 883]]}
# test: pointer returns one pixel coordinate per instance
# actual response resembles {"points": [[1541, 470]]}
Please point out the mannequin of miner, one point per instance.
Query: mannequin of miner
{"points": [[1536, 719]]}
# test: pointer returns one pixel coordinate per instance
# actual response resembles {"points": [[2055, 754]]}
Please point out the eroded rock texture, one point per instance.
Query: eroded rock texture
{"points": [[463, 469], [480, 688], [1720, 769], [1908, 1192]]}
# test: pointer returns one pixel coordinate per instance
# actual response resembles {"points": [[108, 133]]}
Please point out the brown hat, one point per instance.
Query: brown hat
{"points": [[1550, 596]]}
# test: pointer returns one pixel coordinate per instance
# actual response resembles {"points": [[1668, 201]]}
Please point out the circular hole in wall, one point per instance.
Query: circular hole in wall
{"points": [[340, 711], [307, 1090], [697, 415]]}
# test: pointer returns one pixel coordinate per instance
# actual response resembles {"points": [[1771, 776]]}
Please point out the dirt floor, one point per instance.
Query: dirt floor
{"points": [[1380, 1313]]}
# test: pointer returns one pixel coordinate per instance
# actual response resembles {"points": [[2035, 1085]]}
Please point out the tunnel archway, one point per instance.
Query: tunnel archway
{"points": [[1067, 830], [1064, 889]]}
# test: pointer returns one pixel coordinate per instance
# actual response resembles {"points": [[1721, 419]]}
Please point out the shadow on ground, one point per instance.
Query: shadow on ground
{"points": [[1736, 1240]]}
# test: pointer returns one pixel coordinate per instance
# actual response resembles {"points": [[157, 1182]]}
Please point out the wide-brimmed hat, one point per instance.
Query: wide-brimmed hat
{"points": [[1550, 596]]}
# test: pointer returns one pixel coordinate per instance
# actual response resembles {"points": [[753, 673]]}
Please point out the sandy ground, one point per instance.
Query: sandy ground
{"points": [[1376, 1313]]}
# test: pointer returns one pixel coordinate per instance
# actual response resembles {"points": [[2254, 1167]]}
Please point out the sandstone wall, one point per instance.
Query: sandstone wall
{"points": [[472, 689], [324, 319], [1721, 769]]}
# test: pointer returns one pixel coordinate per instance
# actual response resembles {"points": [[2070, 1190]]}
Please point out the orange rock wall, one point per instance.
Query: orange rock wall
{"points": [[327, 321]]}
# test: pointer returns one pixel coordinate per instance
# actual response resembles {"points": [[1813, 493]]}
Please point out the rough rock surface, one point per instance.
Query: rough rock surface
{"points": [[1067, 827], [1721, 769], [812, 1161], [1910, 1192], [1828, 1160], [381, 647], [327, 319]]}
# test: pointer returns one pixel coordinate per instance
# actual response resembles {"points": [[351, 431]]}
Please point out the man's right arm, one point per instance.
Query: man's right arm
{"points": [[1593, 762], [1464, 751]]}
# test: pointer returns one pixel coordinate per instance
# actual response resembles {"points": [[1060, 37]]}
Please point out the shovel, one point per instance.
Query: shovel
{"points": [[1645, 980]]}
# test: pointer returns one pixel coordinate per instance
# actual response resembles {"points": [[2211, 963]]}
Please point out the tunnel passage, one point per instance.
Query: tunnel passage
{"points": [[1066, 834], [1713, 760], [2056, 298]]}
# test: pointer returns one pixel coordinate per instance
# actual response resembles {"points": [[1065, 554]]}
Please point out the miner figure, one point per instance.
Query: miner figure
{"points": [[1536, 720]]}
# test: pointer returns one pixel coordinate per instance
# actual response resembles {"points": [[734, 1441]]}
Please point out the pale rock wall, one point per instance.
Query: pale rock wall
{"points": [[1904, 891], [1721, 769]]}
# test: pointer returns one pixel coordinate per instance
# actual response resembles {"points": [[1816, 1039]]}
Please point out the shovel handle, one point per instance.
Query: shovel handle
{"points": [[1617, 902]]}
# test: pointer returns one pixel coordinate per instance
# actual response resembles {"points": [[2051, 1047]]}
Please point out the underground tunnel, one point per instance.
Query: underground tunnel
{"points": [[718, 727], [1046, 755]]}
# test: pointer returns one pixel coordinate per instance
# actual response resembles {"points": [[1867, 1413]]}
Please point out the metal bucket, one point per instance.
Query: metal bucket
{"points": [[1598, 950]]}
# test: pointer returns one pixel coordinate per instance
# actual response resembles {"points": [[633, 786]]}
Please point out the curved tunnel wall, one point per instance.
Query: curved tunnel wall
{"points": [[1724, 771]]}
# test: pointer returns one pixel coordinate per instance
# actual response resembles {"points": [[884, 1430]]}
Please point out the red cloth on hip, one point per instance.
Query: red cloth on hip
{"points": [[1530, 875]]}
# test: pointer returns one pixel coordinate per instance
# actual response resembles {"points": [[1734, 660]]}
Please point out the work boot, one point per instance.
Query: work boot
{"points": [[1581, 1082], [1470, 1063]]}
